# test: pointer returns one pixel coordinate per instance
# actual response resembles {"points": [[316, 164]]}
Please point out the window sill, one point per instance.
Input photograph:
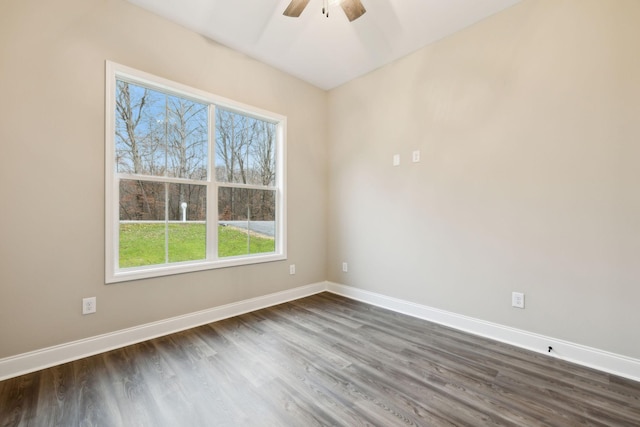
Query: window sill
{"points": [[138, 273]]}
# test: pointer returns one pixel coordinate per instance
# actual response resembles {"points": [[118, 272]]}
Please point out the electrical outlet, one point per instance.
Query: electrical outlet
{"points": [[345, 267], [88, 305], [292, 269], [396, 160], [517, 299], [415, 156]]}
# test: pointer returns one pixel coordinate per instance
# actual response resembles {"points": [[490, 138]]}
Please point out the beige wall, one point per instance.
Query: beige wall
{"points": [[529, 129], [52, 60]]}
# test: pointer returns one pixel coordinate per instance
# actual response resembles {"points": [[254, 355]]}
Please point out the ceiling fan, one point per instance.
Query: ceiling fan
{"points": [[352, 8]]}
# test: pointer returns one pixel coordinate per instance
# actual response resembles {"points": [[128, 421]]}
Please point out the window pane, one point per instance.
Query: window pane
{"points": [[139, 132], [154, 232], [187, 212], [246, 220], [142, 225], [245, 149], [159, 134], [262, 221], [233, 236]]}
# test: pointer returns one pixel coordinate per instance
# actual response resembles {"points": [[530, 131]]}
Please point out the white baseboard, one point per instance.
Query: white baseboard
{"points": [[586, 356], [40, 359]]}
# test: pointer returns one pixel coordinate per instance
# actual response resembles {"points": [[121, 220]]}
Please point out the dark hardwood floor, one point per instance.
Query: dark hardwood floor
{"points": [[321, 360]]}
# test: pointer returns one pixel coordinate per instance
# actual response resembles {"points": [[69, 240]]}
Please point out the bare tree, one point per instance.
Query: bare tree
{"points": [[130, 109], [231, 142], [264, 153], [186, 138]]}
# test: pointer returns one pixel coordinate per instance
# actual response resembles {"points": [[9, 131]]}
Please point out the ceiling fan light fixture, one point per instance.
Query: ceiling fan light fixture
{"points": [[353, 9]]}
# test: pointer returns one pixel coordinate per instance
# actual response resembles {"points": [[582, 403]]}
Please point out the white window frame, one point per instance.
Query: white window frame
{"points": [[113, 273]]}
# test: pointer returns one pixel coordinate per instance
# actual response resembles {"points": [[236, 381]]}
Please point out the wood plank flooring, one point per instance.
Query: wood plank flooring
{"points": [[319, 361]]}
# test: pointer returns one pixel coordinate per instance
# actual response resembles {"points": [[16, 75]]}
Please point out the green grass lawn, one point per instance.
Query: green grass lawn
{"points": [[144, 243]]}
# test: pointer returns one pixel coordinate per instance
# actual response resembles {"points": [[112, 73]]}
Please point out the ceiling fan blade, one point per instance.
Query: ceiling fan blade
{"points": [[353, 9], [295, 8]]}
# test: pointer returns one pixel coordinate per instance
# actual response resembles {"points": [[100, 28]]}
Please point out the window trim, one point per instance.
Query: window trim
{"points": [[113, 274]]}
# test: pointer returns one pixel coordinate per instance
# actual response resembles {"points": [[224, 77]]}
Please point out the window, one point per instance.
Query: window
{"points": [[193, 181]]}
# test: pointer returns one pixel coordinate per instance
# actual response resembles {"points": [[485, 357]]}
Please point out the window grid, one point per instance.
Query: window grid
{"points": [[273, 194]]}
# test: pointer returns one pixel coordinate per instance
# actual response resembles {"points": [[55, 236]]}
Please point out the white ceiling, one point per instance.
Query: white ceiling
{"points": [[325, 52]]}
